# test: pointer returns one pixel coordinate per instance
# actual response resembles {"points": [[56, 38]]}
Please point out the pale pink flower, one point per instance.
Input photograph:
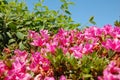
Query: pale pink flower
{"points": [[62, 77], [44, 34], [116, 32], [38, 77], [49, 78], [32, 34], [22, 55], [51, 47], [87, 48], [93, 32], [77, 51]]}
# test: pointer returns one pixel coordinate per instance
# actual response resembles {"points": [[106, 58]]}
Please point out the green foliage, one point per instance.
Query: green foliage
{"points": [[117, 23], [91, 20], [92, 66], [63, 64], [16, 20], [13, 16], [87, 68]]}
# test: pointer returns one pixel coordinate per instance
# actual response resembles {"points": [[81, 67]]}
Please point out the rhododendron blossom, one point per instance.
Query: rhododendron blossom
{"points": [[3, 68], [62, 77], [34, 64], [113, 44], [112, 72]]}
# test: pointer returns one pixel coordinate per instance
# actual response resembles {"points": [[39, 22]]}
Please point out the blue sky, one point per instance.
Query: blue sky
{"points": [[104, 11]]}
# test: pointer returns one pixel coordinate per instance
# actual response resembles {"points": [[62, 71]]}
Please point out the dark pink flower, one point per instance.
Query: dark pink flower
{"points": [[3, 68], [112, 72], [38, 61], [37, 42], [17, 71], [51, 47], [107, 29], [113, 44]]}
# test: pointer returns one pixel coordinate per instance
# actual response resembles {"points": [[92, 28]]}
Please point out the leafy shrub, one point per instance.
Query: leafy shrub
{"points": [[16, 20], [68, 54]]}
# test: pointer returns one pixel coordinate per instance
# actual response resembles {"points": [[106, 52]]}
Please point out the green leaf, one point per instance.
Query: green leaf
{"points": [[1, 15], [1, 37], [87, 75], [21, 46], [20, 35], [12, 26], [40, 27], [68, 12], [91, 18], [63, 1], [71, 3], [93, 22], [8, 33], [28, 22], [11, 41], [110, 54]]}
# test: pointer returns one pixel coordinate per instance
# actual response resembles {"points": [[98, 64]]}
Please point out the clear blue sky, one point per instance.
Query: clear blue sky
{"points": [[104, 11]]}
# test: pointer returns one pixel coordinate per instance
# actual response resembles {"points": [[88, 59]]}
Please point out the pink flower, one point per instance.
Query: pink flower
{"points": [[3, 68], [93, 32], [44, 34], [77, 51], [37, 42], [62, 77], [18, 71], [112, 72], [49, 78], [18, 76], [62, 32], [38, 61], [38, 77], [116, 32], [32, 34], [51, 47], [87, 48], [112, 44], [107, 29], [22, 55]]}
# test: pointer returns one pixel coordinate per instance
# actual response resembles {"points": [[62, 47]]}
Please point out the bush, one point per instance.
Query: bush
{"points": [[68, 54], [16, 20]]}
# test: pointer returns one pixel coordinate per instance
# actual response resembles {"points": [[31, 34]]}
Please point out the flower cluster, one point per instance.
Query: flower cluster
{"points": [[34, 64], [112, 72], [77, 42]]}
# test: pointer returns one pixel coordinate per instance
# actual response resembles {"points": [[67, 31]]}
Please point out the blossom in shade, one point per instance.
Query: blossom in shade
{"points": [[49, 78], [3, 68], [62, 77]]}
